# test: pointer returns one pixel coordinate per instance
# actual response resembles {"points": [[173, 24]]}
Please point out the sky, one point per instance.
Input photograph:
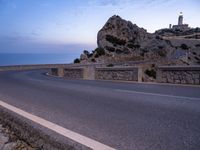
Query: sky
{"points": [[70, 26]]}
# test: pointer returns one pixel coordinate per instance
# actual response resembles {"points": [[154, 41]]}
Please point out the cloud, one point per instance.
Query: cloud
{"points": [[122, 3], [109, 2]]}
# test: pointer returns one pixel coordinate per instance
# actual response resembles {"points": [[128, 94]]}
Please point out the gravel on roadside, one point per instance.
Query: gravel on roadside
{"points": [[8, 141]]}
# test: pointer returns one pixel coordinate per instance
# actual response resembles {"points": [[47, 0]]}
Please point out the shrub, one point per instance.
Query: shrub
{"points": [[130, 45], [90, 55], [86, 52], [133, 45], [197, 58], [76, 61], [184, 46], [110, 49], [197, 45], [93, 60], [194, 53], [110, 65], [115, 40], [151, 73], [160, 47], [162, 53], [126, 51], [158, 37], [99, 52], [136, 46], [118, 51]]}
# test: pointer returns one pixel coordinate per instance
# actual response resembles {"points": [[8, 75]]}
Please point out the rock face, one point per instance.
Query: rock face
{"points": [[121, 41], [119, 35], [122, 37]]}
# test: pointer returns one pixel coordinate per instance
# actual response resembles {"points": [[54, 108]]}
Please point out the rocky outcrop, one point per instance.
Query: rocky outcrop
{"points": [[121, 41], [121, 36]]}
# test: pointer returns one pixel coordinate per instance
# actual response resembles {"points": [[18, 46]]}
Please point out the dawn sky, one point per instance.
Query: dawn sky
{"points": [[70, 26]]}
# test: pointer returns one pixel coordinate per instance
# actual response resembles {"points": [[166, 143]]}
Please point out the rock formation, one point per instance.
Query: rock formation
{"points": [[121, 36], [120, 40]]}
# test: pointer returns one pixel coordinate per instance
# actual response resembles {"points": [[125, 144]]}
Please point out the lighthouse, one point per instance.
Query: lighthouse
{"points": [[180, 19], [180, 25]]}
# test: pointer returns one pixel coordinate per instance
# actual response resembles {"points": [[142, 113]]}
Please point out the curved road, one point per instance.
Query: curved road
{"points": [[125, 116]]}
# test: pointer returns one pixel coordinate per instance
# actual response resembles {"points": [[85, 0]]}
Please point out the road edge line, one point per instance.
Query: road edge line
{"points": [[58, 129]]}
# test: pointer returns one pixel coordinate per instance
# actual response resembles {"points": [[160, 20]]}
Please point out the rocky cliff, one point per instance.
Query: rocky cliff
{"points": [[120, 40]]}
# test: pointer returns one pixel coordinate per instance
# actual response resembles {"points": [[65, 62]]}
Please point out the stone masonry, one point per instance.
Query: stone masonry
{"points": [[73, 73], [179, 74], [126, 74]]}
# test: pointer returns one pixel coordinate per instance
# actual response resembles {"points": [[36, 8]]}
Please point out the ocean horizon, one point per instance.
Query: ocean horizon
{"points": [[7, 59]]}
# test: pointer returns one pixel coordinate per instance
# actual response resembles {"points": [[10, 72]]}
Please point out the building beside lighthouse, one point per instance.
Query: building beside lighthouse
{"points": [[180, 25]]}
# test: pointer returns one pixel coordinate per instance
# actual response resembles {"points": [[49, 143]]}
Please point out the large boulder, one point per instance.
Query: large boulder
{"points": [[121, 36]]}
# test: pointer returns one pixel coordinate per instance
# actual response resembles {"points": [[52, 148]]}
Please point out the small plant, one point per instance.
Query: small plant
{"points": [[115, 40], [197, 45], [130, 45], [184, 46], [197, 58], [110, 49], [160, 47], [93, 60], [118, 51], [151, 73], [158, 37], [162, 53], [110, 65], [194, 53], [99, 52], [76, 61], [86, 52]]}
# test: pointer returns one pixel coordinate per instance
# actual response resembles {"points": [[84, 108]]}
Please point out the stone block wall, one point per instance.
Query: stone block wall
{"points": [[73, 73], [124, 73], [68, 73], [54, 71], [179, 74]]}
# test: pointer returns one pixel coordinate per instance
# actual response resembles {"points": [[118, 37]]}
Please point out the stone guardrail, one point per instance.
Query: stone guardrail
{"points": [[117, 73], [100, 73], [179, 74]]}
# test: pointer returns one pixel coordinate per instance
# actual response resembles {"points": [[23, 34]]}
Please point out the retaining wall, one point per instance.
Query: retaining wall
{"points": [[125, 73], [92, 73], [68, 73], [179, 74]]}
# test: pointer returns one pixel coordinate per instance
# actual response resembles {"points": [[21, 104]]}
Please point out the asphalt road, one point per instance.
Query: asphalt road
{"points": [[125, 116]]}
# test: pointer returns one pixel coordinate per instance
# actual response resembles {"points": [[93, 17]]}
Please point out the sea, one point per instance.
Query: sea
{"points": [[7, 59]]}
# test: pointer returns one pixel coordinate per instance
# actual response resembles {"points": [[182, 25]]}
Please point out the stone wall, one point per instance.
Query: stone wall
{"points": [[68, 73], [54, 71], [123, 73], [73, 73], [179, 74]]}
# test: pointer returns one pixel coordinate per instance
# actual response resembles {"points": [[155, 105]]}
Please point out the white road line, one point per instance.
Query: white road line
{"points": [[155, 94], [58, 129]]}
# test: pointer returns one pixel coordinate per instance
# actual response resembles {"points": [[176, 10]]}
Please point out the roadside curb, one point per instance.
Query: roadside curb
{"points": [[35, 137]]}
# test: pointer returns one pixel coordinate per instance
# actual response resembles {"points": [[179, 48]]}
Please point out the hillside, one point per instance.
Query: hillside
{"points": [[121, 41]]}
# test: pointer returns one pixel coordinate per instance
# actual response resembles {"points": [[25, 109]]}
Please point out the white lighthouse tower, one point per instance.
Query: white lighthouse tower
{"points": [[180, 19], [180, 25]]}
